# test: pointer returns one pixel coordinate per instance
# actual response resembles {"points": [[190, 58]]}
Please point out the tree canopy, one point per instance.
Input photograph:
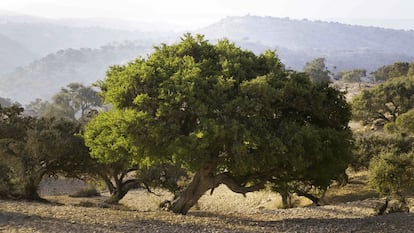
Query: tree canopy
{"points": [[317, 70], [354, 75], [398, 69], [32, 148], [385, 102], [229, 116], [71, 102]]}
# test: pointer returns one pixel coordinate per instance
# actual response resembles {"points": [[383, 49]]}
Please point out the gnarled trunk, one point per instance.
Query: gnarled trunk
{"points": [[204, 180], [31, 186], [121, 189]]}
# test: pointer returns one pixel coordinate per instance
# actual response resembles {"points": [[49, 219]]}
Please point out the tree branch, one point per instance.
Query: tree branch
{"points": [[150, 191], [382, 116], [123, 174], [130, 184], [226, 179]]}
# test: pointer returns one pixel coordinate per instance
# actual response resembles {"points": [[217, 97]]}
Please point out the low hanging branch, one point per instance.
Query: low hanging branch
{"points": [[226, 179]]}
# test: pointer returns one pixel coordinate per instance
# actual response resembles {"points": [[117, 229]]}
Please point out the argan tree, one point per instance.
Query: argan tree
{"points": [[71, 102], [107, 137], [32, 148], [391, 173], [398, 69], [317, 70], [229, 116], [351, 76], [385, 102]]}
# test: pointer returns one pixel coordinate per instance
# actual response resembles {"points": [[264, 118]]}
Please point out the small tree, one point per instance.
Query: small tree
{"points": [[107, 137], [36, 108], [405, 123], [398, 69], [385, 102], [72, 102], [33, 148], [391, 173], [370, 145], [317, 70], [352, 76]]}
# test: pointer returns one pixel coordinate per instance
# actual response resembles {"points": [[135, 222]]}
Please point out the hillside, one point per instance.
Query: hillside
{"points": [[344, 46], [44, 77], [45, 38], [13, 54], [42, 36], [52, 53]]}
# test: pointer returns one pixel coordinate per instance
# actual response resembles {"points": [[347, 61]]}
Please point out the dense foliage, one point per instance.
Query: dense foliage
{"points": [[72, 102], [398, 69], [368, 145], [385, 102], [227, 115], [317, 70], [32, 148], [392, 172], [351, 76]]}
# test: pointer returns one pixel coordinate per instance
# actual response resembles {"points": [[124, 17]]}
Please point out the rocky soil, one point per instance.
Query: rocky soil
{"points": [[221, 212]]}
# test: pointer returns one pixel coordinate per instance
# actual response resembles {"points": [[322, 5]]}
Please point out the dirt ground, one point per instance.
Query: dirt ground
{"points": [[223, 211]]}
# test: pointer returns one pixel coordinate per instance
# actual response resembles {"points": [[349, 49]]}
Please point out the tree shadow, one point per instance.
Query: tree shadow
{"points": [[199, 221], [385, 223]]}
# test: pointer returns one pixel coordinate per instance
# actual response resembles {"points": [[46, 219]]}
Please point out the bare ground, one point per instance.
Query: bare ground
{"points": [[221, 212]]}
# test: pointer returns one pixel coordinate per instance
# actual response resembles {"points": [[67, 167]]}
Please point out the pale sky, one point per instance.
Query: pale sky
{"points": [[193, 13]]}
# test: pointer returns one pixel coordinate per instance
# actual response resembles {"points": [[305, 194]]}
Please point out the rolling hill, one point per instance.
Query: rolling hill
{"points": [[53, 53], [44, 77], [344, 46], [13, 54]]}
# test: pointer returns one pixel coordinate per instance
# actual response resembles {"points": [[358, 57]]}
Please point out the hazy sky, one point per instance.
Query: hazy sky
{"points": [[199, 13]]}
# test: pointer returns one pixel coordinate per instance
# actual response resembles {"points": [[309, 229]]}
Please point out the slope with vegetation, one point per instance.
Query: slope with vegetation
{"points": [[344, 46], [44, 77], [13, 54]]}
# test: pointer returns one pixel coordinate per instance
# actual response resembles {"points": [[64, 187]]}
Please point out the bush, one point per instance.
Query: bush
{"points": [[370, 145], [392, 173]]}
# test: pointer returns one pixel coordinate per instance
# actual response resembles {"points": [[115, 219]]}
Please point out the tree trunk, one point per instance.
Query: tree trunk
{"points": [[316, 200], [204, 180], [30, 189], [108, 183], [116, 196], [121, 189], [30, 192], [31, 186], [286, 200]]}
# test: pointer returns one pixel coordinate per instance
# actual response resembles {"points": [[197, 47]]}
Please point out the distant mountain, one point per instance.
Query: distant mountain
{"points": [[43, 36], [53, 53], [44, 77], [344, 46], [13, 54]]}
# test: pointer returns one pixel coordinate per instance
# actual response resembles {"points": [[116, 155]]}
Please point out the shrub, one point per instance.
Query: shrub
{"points": [[370, 145], [392, 173]]}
